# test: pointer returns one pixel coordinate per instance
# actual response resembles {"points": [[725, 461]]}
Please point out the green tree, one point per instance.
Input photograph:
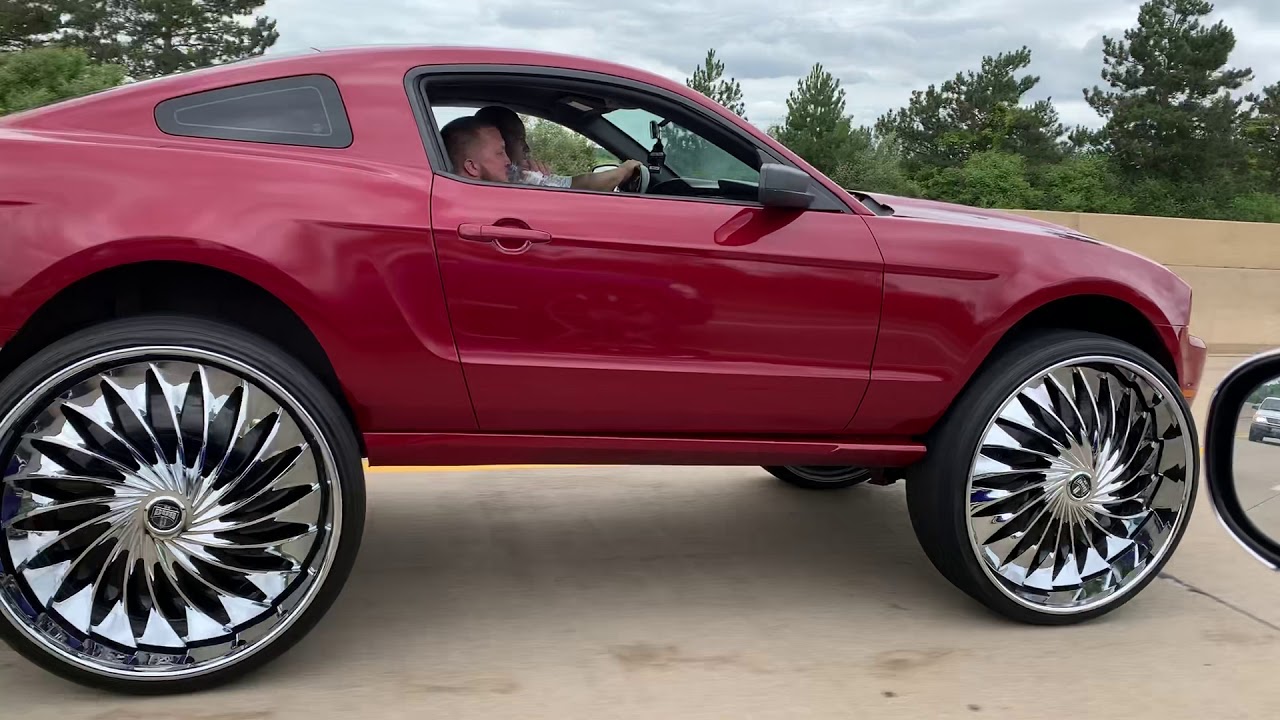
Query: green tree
{"points": [[989, 179], [1262, 132], [873, 163], [975, 112], [710, 81], [815, 126], [1085, 183], [565, 151], [24, 23], [31, 78], [158, 37], [1169, 113]]}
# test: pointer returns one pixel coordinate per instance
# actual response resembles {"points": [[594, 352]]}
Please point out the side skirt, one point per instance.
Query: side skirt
{"points": [[504, 449]]}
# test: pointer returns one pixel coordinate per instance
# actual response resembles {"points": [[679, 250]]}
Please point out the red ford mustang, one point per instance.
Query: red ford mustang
{"points": [[221, 290]]}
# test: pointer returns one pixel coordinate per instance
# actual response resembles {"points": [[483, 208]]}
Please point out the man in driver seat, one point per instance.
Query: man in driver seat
{"points": [[528, 171]]}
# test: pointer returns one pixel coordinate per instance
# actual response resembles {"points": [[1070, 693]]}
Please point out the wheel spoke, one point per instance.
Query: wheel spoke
{"points": [[1063, 490], [171, 511]]}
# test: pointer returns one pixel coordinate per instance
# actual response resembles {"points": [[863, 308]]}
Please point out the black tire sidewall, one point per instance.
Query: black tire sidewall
{"points": [[273, 362], [789, 476], [938, 489]]}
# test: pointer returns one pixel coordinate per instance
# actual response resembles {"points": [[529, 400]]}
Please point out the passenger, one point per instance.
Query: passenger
{"points": [[529, 171], [476, 150]]}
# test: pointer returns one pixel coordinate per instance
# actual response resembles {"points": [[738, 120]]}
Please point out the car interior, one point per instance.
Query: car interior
{"points": [[688, 154]]}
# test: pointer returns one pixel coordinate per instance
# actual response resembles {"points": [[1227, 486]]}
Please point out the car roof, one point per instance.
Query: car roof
{"points": [[320, 60]]}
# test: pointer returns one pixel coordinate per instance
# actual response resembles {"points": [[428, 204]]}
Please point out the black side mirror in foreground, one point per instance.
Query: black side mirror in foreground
{"points": [[784, 186], [1242, 455]]}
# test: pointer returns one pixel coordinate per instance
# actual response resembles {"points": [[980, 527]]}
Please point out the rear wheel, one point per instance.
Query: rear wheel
{"points": [[182, 501], [1061, 481], [820, 477]]}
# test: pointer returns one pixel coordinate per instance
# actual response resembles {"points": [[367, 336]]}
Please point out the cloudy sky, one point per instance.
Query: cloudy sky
{"points": [[880, 49]]}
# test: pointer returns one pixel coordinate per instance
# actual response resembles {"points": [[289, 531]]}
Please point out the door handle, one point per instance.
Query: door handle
{"points": [[504, 236]]}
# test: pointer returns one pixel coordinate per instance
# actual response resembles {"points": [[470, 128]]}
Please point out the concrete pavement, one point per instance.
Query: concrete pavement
{"points": [[711, 593]]}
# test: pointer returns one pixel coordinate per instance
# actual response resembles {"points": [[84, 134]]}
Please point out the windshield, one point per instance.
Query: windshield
{"points": [[1270, 404], [688, 154]]}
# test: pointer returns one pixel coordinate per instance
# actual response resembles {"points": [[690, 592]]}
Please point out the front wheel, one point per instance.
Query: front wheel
{"points": [[1061, 481], [820, 477], [181, 502]]}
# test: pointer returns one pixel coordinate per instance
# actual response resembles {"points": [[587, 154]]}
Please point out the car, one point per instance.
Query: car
{"points": [[1266, 420], [225, 289]]}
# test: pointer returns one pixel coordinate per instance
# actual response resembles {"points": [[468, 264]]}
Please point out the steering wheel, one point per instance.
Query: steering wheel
{"points": [[638, 183]]}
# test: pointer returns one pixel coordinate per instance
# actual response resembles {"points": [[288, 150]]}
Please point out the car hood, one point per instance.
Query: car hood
{"points": [[956, 214]]}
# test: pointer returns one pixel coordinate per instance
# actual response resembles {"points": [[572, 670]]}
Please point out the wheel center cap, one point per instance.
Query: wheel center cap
{"points": [[1080, 486], [165, 517]]}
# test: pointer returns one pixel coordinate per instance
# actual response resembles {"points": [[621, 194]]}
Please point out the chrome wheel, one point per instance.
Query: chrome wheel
{"points": [[1081, 482], [165, 512]]}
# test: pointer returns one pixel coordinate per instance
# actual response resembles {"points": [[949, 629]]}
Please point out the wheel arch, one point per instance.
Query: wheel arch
{"points": [[1088, 311], [150, 286], [1096, 312]]}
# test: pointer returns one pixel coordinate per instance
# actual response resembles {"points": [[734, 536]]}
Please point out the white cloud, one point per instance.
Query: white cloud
{"points": [[880, 49]]}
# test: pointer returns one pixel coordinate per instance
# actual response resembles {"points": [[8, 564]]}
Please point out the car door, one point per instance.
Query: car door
{"points": [[610, 313]]}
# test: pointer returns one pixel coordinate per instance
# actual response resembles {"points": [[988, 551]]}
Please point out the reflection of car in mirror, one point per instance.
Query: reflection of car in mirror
{"points": [[221, 290], [1266, 420]]}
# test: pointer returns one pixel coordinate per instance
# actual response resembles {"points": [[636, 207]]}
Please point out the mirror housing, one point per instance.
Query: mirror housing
{"points": [[1231, 410], [783, 186]]}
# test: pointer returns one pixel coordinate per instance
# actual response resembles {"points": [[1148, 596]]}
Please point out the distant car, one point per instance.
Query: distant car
{"points": [[222, 289], [1266, 421]]}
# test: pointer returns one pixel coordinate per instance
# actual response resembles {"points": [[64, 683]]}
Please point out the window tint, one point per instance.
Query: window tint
{"points": [[688, 155], [305, 110]]}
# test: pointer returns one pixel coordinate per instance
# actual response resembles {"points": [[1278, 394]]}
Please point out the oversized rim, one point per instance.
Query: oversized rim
{"points": [[1080, 484], [828, 473], [166, 511]]}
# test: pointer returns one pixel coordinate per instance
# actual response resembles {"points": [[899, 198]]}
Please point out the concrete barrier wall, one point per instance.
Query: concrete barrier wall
{"points": [[1232, 267]]}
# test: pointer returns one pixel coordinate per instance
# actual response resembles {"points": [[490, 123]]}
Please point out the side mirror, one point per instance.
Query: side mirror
{"points": [[1242, 455], [784, 186], [604, 168]]}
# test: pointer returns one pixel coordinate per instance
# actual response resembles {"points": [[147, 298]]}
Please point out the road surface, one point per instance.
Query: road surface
{"points": [[711, 593]]}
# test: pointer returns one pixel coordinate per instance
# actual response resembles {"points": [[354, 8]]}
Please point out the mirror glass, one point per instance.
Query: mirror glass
{"points": [[1256, 460]]}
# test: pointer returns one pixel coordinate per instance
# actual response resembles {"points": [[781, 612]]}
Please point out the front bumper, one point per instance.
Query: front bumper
{"points": [[1264, 430], [1193, 353]]}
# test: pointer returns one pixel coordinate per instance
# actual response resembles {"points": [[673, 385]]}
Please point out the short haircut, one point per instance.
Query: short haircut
{"points": [[460, 137]]}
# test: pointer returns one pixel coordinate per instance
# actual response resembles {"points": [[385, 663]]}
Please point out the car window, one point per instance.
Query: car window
{"points": [[304, 110], [1270, 404], [688, 155], [565, 151]]}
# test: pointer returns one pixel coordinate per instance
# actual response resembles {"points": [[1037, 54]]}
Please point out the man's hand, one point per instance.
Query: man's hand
{"points": [[609, 180]]}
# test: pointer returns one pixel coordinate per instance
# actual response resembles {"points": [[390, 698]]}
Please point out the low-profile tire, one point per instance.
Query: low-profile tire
{"points": [[181, 502], [820, 477], [1061, 480]]}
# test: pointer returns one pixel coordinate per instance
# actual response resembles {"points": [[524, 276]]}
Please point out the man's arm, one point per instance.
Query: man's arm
{"points": [[607, 181]]}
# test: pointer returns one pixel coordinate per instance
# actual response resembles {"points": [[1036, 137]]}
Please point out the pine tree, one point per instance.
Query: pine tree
{"points": [[158, 37], [23, 23], [709, 80], [816, 127], [1170, 114], [975, 112], [1262, 132]]}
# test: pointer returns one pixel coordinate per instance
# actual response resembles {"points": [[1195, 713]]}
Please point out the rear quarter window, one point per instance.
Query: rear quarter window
{"points": [[302, 110]]}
